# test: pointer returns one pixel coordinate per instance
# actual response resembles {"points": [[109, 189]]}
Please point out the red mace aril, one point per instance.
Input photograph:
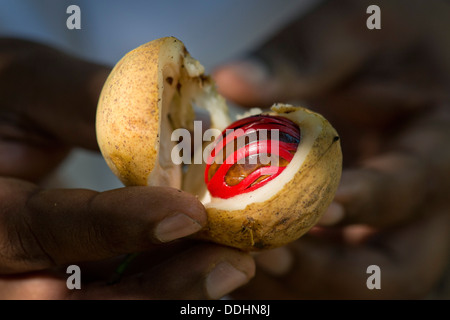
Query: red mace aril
{"points": [[250, 153], [139, 107]]}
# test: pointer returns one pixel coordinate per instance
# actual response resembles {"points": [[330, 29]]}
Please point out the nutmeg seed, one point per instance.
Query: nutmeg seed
{"points": [[269, 205], [249, 153]]}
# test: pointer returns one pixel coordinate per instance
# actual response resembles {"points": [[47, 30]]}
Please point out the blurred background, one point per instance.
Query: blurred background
{"points": [[216, 32], [213, 31]]}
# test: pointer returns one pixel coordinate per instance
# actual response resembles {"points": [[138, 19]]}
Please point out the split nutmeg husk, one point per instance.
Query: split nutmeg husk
{"points": [[151, 92]]}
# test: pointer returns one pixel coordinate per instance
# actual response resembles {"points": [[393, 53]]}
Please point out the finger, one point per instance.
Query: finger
{"points": [[265, 287], [387, 190], [334, 214], [43, 228], [61, 90], [276, 261], [15, 155], [41, 285], [202, 272], [390, 188], [314, 54], [427, 139], [411, 258]]}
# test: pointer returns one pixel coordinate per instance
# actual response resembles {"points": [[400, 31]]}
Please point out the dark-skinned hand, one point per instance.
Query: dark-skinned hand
{"points": [[47, 107], [387, 94]]}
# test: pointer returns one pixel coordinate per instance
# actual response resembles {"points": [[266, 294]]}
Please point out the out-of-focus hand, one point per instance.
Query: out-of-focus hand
{"points": [[386, 93], [47, 106]]}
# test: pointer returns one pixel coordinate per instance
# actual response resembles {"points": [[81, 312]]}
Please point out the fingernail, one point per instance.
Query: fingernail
{"points": [[223, 279], [277, 261], [333, 215], [175, 227]]}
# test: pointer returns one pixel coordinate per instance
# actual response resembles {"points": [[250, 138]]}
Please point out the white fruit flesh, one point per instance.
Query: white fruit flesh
{"points": [[152, 91], [193, 180], [187, 87], [310, 129]]}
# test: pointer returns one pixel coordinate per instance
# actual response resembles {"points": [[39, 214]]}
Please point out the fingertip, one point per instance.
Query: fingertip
{"points": [[229, 274], [186, 216], [180, 201], [333, 215], [356, 184], [348, 187], [175, 227], [366, 196], [250, 71], [276, 262], [246, 82]]}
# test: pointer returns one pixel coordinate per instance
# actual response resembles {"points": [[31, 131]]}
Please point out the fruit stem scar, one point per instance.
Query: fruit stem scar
{"points": [[248, 226], [251, 237]]}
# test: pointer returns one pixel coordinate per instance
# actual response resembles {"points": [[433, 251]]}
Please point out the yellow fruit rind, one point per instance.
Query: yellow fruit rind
{"points": [[129, 108], [291, 212], [131, 118]]}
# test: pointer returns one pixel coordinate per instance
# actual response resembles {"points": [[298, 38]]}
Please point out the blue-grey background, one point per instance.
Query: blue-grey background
{"points": [[213, 31]]}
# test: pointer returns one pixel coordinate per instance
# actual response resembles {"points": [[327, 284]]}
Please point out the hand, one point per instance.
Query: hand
{"points": [[386, 93], [332, 264], [47, 106]]}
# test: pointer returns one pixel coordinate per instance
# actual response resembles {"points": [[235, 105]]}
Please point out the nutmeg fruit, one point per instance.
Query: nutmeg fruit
{"points": [[157, 88]]}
